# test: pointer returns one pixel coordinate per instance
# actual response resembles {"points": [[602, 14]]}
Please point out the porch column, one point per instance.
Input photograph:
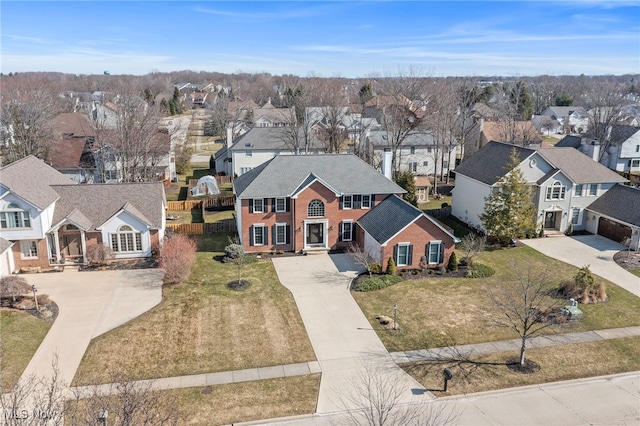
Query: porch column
{"points": [[83, 245], [56, 244]]}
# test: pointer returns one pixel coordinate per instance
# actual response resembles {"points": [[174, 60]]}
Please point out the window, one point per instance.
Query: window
{"points": [[575, 217], [259, 235], [14, 217], [111, 174], [281, 205], [258, 205], [425, 163], [346, 231], [413, 166], [315, 209], [29, 249], [435, 252], [637, 148], [347, 202], [578, 190], [413, 150], [556, 191], [248, 153], [244, 170], [126, 240], [366, 201], [281, 233], [634, 163], [593, 189], [403, 254]]}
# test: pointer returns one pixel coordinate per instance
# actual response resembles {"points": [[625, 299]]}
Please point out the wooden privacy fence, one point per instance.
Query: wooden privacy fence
{"points": [[218, 202], [439, 213], [184, 205], [228, 225]]}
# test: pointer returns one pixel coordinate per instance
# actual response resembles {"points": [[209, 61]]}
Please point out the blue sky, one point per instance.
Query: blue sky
{"points": [[336, 38]]}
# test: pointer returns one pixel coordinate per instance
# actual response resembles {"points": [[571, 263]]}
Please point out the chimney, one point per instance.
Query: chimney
{"points": [[595, 151], [229, 136], [387, 158]]}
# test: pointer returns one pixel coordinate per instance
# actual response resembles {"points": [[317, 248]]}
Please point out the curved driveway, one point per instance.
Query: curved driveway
{"points": [[346, 346], [592, 250], [90, 304]]}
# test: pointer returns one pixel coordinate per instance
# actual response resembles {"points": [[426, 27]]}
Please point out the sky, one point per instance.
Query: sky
{"points": [[327, 39]]}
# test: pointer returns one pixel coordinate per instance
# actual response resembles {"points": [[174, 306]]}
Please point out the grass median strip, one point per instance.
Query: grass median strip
{"points": [[490, 372], [20, 333], [438, 312], [203, 326]]}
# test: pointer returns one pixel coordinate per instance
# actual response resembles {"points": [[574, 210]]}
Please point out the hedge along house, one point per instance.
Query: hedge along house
{"points": [[317, 202], [49, 219]]}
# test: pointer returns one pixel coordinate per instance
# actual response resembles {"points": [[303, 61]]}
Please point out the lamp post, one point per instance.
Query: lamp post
{"points": [[35, 290]]}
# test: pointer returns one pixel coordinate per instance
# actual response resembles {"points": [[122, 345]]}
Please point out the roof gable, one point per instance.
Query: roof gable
{"points": [[621, 203], [489, 164], [579, 167]]}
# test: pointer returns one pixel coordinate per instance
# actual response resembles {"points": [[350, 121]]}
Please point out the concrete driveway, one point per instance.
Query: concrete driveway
{"points": [[345, 345], [592, 250], [89, 303]]}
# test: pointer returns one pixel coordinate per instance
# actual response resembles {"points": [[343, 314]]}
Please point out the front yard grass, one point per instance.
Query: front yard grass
{"points": [[20, 333], [433, 204], [203, 326], [437, 312], [635, 272], [567, 362]]}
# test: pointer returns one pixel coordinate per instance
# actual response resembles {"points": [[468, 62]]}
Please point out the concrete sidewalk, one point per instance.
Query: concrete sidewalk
{"points": [[592, 250], [89, 304], [345, 345]]}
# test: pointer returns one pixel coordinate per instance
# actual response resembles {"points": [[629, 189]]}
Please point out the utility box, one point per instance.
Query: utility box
{"points": [[572, 312]]}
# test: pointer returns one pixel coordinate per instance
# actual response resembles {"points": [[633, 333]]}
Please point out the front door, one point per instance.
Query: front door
{"points": [[71, 244], [550, 220], [315, 234]]}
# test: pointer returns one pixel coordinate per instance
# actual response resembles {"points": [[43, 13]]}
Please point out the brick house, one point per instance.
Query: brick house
{"points": [[326, 202], [47, 219]]}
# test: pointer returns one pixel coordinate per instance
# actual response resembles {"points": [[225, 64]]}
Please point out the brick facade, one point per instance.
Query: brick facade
{"points": [[41, 261]]}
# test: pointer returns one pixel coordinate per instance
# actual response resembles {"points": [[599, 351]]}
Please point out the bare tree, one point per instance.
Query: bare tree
{"points": [[375, 397], [604, 102], [13, 285], [524, 305], [177, 256], [471, 245], [360, 256]]}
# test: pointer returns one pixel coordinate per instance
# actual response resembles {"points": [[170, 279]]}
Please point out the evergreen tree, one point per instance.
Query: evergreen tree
{"points": [[521, 97], [509, 212], [406, 181]]}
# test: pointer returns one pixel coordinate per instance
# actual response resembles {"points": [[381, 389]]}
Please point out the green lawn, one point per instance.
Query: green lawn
{"points": [[20, 333], [203, 326], [435, 204], [635, 272], [438, 312]]}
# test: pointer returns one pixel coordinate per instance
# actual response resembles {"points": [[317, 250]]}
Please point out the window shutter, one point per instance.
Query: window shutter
{"points": [[410, 255], [287, 204], [287, 237], [251, 232], [265, 232], [273, 204], [340, 232], [341, 203], [357, 201], [265, 205], [426, 252], [273, 232], [395, 254], [441, 258], [251, 205]]}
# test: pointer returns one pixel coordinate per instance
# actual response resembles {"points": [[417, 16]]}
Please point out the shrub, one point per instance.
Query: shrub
{"points": [[12, 286], [479, 270], [391, 266], [234, 251], [371, 284], [98, 254], [584, 279], [569, 229], [375, 267], [453, 262], [177, 257], [443, 205]]}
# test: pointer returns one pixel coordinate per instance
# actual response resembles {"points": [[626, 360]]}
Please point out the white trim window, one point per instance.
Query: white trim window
{"points": [[403, 254], [29, 249], [259, 237], [575, 216], [593, 189], [435, 252], [347, 202], [281, 205], [258, 205], [14, 217], [126, 240], [366, 201], [315, 208], [280, 236], [556, 191], [578, 190], [346, 230]]}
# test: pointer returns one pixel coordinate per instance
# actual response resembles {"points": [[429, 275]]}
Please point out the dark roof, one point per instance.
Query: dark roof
{"points": [[30, 179], [621, 203], [65, 154], [282, 176], [72, 123], [90, 206], [569, 141], [490, 163], [377, 222]]}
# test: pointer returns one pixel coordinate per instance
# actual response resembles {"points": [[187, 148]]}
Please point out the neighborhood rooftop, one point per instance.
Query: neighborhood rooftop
{"points": [[283, 175], [489, 164], [621, 203]]}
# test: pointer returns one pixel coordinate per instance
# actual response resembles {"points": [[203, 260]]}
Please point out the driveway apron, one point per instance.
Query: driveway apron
{"points": [[345, 345], [592, 250], [89, 304]]}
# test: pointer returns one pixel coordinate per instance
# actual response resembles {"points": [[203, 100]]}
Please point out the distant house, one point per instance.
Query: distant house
{"points": [[323, 202], [270, 116], [572, 119], [70, 152], [48, 219], [564, 183], [616, 215]]}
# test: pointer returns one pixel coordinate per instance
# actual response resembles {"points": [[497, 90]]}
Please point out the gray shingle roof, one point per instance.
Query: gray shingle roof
{"points": [[579, 167], [30, 178], [4, 245], [270, 139], [378, 138], [282, 175], [377, 222], [490, 163], [97, 203], [569, 141], [621, 203]]}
